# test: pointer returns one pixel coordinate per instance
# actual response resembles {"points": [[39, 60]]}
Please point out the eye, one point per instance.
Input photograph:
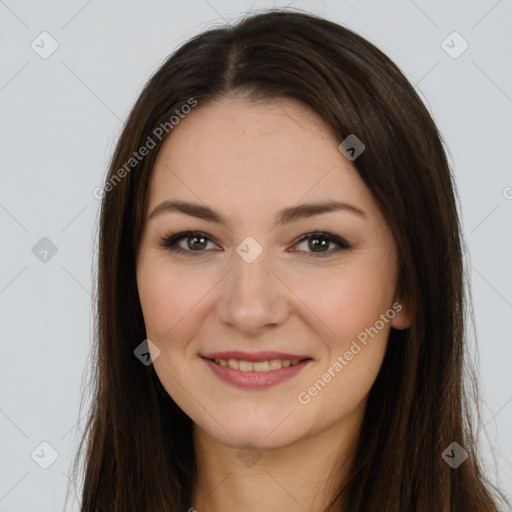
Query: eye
{"points": [[196, 242], [319, 241]]}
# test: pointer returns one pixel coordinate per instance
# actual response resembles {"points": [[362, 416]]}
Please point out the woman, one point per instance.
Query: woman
{"points": [[280, 289]]}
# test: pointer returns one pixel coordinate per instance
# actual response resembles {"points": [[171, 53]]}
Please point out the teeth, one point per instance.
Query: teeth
{"points": [[275, 364], [245, 366], [258, 366]]}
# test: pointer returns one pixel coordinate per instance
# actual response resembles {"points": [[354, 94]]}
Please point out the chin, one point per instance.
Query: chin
{"points": [[263, 433]]}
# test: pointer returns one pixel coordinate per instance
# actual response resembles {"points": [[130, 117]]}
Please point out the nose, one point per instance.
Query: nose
{"points": [[253, 297]]}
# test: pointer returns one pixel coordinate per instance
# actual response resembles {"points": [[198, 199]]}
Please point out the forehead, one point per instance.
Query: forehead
{"points": [[235, 152]]}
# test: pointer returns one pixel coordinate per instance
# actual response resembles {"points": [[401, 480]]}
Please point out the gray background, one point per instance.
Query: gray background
{"points": [[60, 117]]}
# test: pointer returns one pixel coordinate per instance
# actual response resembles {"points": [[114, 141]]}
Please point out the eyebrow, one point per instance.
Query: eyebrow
{"points": [[284, 216]]}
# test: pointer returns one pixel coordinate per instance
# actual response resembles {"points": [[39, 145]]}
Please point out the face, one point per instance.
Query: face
{"points": [[249, 275]]}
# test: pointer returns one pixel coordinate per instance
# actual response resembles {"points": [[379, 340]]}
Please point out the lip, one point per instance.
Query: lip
{"points": [[254, 379], [255, 357]]}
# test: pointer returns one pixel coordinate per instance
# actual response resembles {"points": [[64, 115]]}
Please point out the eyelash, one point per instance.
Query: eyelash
{"points": [[169, 242]]}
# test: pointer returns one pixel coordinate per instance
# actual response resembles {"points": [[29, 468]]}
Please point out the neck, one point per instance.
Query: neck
{"points": [[304, 475]]}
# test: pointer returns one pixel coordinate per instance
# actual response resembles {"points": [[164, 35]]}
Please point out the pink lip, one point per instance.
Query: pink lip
{"points": [[253, 379], [255, 357]]}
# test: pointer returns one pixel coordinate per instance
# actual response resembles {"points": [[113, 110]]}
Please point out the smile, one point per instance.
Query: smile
{"points": [[255, 374], [260, 366]]}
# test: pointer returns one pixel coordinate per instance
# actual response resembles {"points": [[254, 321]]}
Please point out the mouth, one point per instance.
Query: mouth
{"points": [[266, 365], [258, 374]]}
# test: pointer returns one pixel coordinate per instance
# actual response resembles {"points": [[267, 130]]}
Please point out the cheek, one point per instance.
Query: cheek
{"points": [[348, 300], [169, 300], [159, 299], [350, 303]]}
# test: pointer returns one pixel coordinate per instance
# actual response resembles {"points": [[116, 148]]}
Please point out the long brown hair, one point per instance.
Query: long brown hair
{"points": [[139, 453]]}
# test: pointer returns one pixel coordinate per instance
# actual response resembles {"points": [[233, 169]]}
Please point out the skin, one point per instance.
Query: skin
{"points": [[248, 161]]}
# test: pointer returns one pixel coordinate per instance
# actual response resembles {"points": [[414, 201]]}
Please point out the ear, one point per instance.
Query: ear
{"points": [[402, 318]]}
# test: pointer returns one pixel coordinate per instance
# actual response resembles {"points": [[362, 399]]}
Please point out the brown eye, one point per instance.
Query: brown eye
{"points": [[318, 244], [196, 242]]}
